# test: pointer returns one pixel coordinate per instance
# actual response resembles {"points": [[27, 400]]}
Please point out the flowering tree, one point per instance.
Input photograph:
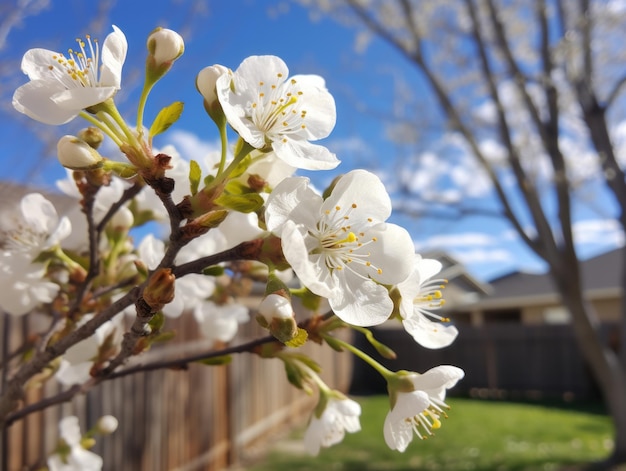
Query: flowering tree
{"points": [[532, 91], [106, 299]]}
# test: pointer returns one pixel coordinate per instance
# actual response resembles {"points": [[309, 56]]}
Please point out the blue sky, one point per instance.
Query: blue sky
{"points": [[226, 32]]}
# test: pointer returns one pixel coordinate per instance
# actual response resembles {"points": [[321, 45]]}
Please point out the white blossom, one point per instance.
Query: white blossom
{"points": [[76, 458], [77, 361], [340, 415], [420, 296], [24, 233], [220, 322], [419, 411], [60, 87], [268, 109], [341, 248]]}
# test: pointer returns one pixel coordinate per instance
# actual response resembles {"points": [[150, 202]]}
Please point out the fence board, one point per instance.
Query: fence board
{"points": [[509, 360]]}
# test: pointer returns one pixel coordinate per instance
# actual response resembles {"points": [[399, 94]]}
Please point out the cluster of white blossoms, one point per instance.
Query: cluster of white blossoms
{"points": [[241, 214]]}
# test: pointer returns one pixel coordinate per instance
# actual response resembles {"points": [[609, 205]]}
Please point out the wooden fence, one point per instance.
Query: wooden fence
{"points": [[500, 360], [204, 418]]}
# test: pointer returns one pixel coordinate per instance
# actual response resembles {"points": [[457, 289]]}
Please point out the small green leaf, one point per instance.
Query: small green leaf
{"points": [[235, 187], [299, 339], [157, 321], [216, 361], [214, 270], [166, 117], [195, 175], [242, 203]]}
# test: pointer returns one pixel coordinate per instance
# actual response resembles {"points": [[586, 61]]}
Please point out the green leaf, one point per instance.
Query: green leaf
{"points": [[213, 270], [216, 361], [157, 321], [242, 203], [299, 339], [166, 117], [195, 175], [235, 187], [294, 375]]}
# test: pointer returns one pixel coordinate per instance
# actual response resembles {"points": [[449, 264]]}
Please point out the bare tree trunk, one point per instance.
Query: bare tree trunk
{"points": [[603, 362]]}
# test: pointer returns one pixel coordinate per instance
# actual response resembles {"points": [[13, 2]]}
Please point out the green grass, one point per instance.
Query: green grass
{"points": [[478, 435]]}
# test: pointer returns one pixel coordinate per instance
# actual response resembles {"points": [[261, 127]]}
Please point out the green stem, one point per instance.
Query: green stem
{"points": [[109, 108], [384, 372], [147, 87], [243, 152], [70, 263], [224, 143]]}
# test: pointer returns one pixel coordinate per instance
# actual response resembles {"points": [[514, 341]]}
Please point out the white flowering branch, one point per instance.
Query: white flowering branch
{"points": [[234, 221]]}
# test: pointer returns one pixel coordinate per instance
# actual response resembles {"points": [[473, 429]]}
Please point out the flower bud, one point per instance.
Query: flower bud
{"points": [[206, 79], [107, 424], [165, 46], [275, 306], [76, 154], [205, 83], [278, 316], [160, 289], [92, 136], [122, 220]]}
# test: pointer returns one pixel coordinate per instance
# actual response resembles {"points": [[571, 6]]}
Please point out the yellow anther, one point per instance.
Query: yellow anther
{"points": [[379, 271], [293, 81], [353, 205], [337, 208], [374, 239], [279, 75]]}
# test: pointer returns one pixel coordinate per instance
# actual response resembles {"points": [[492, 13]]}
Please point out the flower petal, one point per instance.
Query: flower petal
{"points": [[367, 191], [390, 253], [77, 99], [294, 200], [438, 379], [430, 334], [34, 99], [114, 51], [361, 302], [302, 154], [313, 275]]}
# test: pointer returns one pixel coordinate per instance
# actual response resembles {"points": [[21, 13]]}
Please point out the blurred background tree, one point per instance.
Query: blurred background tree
{"points": [[532, 90]]}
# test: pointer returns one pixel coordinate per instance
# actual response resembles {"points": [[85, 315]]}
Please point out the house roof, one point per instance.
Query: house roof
{"points": [[601, 278]]}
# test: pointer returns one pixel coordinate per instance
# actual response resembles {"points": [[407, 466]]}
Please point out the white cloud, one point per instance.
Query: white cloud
{"points": [[192, 147], [450, 241], [480, 256], [598, 231]]}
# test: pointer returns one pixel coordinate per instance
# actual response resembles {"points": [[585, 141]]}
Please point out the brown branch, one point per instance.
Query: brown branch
{"points": [[128, 194], [183, 363]]}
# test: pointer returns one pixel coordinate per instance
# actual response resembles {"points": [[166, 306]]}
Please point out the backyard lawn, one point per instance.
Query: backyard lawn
{"points": [[478, 435]]}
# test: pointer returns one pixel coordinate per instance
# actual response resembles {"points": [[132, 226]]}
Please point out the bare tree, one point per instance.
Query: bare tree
{"points": [[543, 80]]}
